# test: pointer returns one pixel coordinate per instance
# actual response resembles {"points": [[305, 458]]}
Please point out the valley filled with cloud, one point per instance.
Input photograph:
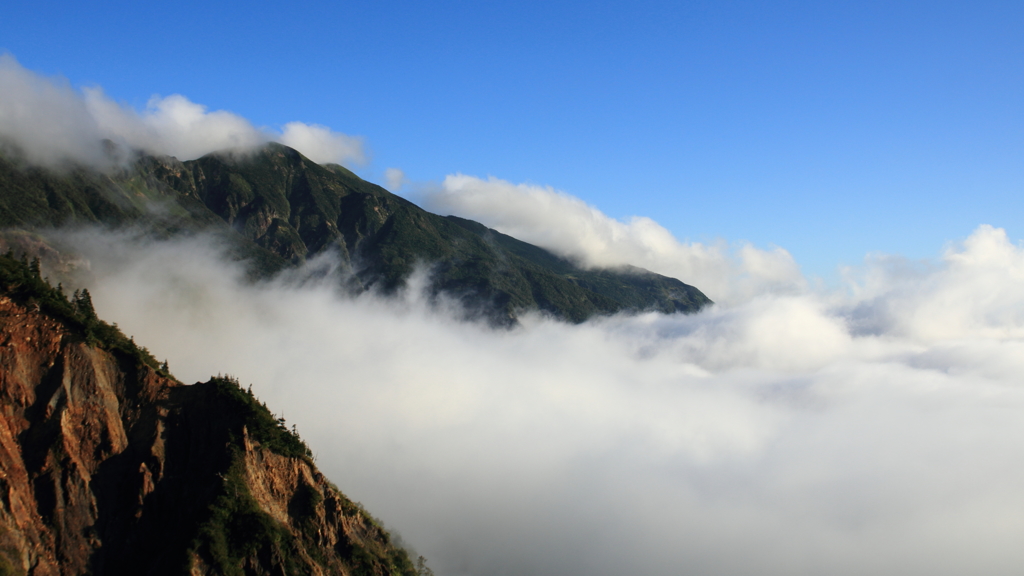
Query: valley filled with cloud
{"points": [[871, 429], [791, 428]]}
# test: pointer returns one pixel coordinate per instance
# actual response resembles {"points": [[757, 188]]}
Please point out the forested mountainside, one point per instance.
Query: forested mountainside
{"points": [[273, 207], [109, 465]]}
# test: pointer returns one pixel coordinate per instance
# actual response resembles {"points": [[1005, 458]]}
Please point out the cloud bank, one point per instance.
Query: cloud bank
{"points": [[568, 226], [52, 123], [872, 430]]}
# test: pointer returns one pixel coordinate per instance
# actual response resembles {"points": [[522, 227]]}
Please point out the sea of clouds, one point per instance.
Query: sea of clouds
{"points": [[871, 428]]}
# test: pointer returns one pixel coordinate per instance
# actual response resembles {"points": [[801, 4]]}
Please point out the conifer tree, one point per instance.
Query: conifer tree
{"points": [[83, 304]]}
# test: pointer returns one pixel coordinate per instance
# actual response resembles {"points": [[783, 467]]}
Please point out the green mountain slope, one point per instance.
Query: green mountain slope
{"points": [[274, 206]]}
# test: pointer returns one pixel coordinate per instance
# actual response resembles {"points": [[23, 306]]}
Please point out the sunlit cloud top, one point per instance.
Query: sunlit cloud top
{"points": [[870, 430], [569, 226], [51, 122]]}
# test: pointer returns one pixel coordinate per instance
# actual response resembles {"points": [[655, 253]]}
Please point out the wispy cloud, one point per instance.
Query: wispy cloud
{"points": [[394, 178], [54, 123], [872, 430], [322, 145], [569, 226]]}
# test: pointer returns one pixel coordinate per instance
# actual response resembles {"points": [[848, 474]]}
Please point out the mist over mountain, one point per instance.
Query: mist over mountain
{"points": [[866, 431], [871, 428], [273, 207], [112, 466], [565, 225], [53, 125]]}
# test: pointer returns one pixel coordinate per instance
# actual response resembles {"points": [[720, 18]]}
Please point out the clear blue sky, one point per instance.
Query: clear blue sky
{"points": [[830, 129]]}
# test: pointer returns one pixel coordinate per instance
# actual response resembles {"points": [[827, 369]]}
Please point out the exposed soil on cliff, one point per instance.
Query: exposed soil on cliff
{"points": [[108, 465]]}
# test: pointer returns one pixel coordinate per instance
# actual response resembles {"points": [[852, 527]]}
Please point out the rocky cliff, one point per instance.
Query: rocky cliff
{"points": [[108, 465]]}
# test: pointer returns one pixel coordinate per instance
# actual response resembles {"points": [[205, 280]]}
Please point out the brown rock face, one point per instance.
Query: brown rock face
{"points": [[109, 467]]}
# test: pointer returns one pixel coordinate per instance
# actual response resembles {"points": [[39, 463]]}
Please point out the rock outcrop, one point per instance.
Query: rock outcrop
{"points": [[108, 465]]}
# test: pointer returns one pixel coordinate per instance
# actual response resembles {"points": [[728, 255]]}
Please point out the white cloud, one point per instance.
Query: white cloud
{"points": [[875, 430], [173, 125], [394, 178], [53, 123], [45, 117], [322, 145], [568, 226], [975, 293]]}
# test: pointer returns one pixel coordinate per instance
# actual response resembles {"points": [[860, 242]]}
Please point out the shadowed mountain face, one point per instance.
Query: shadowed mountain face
{"points": [[276, 207]]}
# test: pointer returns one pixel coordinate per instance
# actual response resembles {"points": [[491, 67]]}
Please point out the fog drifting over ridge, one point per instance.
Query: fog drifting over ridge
{"points": [[53, 123], [574, 229], [871, 430]]}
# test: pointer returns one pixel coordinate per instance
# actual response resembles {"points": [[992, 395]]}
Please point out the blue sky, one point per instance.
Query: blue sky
{"points": [[830, 130]]}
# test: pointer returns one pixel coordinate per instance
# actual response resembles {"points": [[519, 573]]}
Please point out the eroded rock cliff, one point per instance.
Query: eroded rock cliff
{"points": [[108, 465]]}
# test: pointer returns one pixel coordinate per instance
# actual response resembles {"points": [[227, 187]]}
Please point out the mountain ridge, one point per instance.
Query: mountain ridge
{"points": [[275, 208]]}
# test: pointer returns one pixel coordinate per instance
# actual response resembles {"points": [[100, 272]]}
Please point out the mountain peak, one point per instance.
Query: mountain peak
{"points": [[273, 207]]}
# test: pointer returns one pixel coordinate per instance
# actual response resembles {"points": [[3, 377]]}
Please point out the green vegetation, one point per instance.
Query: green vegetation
{"points": [[21, 280], [219, 520], [274, 206], [237, 528], [241, 408]]}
